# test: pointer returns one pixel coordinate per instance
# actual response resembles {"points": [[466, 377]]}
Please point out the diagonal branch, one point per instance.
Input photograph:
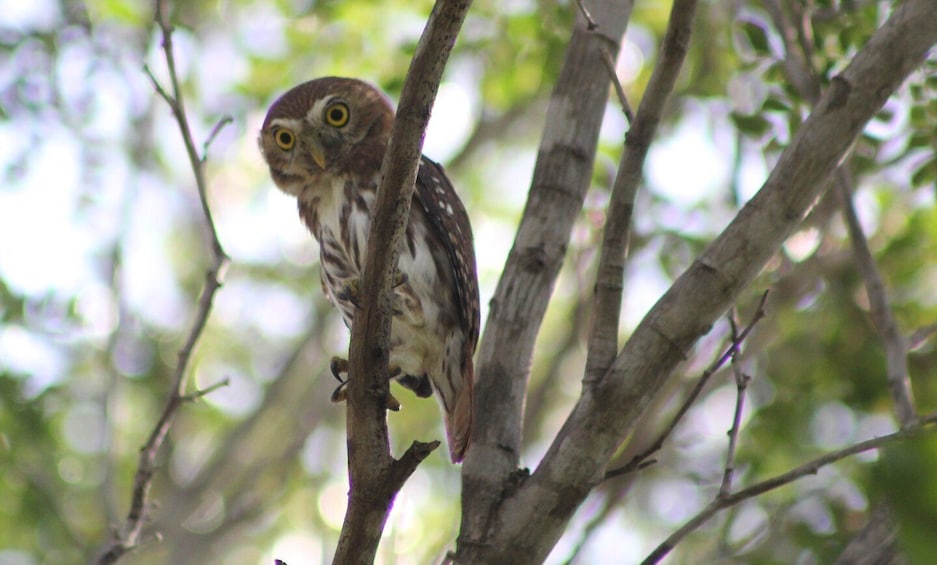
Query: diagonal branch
{"points": [[533, 518], [603, 339], [375, 476], [640, 460], [128, 536], [798, 51], [896, 349], [809, 468]]}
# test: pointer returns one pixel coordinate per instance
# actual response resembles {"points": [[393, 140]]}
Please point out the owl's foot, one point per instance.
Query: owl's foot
{"points": [[399, 279], [339, 366], [419, 385], [350, 292]]}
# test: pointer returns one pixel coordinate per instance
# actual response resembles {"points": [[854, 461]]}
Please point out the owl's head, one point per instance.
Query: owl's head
{"points": [[323, 128]]}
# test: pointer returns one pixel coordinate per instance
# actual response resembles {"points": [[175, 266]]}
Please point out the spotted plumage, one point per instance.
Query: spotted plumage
{"points": [[324, 141]]}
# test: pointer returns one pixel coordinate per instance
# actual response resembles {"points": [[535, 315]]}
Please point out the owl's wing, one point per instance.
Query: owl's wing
{"points": [[450, 225]]}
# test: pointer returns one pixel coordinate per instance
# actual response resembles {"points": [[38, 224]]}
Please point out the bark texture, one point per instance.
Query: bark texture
{"points": [[561, 178], [523, 522]]}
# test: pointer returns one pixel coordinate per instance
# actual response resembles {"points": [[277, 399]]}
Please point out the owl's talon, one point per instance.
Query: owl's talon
{"points": [[340, 394], [391, 403], [338, 366], [350, 293]]}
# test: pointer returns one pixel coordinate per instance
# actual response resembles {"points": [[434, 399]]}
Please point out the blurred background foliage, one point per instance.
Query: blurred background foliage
{"points": [[102, 255]]}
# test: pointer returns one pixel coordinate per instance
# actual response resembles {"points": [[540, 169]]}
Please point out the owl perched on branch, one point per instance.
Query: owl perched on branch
{"points": [[324, 141]]}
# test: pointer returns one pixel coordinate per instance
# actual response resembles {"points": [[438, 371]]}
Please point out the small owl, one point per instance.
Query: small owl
{"points": [[324, 141]]}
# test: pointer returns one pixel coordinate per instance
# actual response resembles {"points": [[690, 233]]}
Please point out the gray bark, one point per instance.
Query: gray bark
{"points": [[529, 515]]}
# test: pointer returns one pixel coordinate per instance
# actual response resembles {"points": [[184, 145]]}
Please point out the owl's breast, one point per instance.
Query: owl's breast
{"points": [[338, 213]]}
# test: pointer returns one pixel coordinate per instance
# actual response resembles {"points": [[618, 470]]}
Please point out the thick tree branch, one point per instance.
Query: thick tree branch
{"points": [[532, 519], [561, 178], [797, 473], [603, 339], [128, 536], [375, 476]]}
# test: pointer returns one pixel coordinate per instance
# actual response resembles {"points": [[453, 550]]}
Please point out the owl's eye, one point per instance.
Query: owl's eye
{"points": [[284, 138], [336, 114]]}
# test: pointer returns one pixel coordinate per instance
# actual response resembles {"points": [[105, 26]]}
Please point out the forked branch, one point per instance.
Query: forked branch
{"points": [[127, 536], [809, 468]]}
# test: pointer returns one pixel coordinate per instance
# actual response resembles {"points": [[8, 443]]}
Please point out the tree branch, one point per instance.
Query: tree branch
{"points": [[375, 476], [561, 177], [638, 461], [896, 349], [798, 53], [876, 543], [128, 536], [531, 520], [809, 468], [609, 61], [741, 385], [603, 339], [920, 336]]}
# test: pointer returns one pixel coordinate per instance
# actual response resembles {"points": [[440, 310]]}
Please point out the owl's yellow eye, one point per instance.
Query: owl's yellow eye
{"points": [[336, 114], [284, 138]]}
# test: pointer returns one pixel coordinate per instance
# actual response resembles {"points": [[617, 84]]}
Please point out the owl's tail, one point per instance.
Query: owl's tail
{"points": [[459, 420]]}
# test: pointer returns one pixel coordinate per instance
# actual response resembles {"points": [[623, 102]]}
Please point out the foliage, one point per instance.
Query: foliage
{"points": [[102, 256]]}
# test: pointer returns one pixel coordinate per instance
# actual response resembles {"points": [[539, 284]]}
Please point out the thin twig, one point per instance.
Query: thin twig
{"points": [[590, 23], [741, 384], [199, 394], [636, 461], [809, 468], [128, 536], [896, 349], [619, 89], [798, 41], [919, 336], [219, 125]]}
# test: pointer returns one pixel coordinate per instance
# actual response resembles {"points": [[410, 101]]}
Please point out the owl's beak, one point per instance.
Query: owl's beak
{"points": [[318, 155]]}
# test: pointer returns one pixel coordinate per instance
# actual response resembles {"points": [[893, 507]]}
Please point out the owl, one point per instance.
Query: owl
{"points": [[324, 141]]}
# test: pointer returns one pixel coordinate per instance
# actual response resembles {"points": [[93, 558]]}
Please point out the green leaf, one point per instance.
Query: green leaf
{"points": [[757, 37], [901, 475], [918, 115], [754, 125], [926, 173], [920, 140], [773, 104]]}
